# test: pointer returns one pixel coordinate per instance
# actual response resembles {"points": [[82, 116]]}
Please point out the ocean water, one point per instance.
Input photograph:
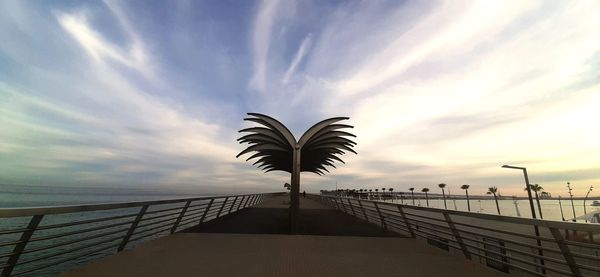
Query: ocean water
{"points": [[14, 196], [550, 207], [35, 196]]}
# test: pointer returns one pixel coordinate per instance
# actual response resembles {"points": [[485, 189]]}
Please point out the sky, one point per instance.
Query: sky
{"points": [[152, 93]]}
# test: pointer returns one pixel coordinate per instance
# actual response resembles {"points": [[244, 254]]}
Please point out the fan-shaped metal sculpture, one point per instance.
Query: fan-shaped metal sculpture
{"points": [[277, 149]]}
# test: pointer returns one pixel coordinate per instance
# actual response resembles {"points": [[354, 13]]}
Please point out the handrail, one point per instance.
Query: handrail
{"points": [[463, 232], [119, 224], [47, 210]]}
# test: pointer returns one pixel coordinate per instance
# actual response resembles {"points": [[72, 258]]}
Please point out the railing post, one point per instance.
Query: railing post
{"points": [[206, 210], [351, 207], [344, 205], [19, 247], [250, 200], [241, 204], [247, 200], [383, 224], [233, 204], [363, 210], [456, 234], [132, 228], [410, 230], [336, 203], [176, 224], [565, 251], [258, 199], [222, 206]]}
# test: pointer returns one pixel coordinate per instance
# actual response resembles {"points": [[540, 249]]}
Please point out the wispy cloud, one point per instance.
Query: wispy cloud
{"points": [[302, 50], [438, 91], [261, 42]]}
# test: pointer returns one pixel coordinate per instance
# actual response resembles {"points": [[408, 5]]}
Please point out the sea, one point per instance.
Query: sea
{"points": [[21, 196], [13, 196], [551, 208]]}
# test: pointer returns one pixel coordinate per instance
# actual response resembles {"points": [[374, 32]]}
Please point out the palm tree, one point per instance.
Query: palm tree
{"points": [[412, 194], [276, 148], [391, 194], [494, 190], [466, 188], [537, 188], [442, 186], [426, 190]]}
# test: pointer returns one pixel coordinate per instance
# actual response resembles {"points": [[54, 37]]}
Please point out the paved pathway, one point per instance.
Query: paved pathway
{"points": [[253, 242], [271, 217]]}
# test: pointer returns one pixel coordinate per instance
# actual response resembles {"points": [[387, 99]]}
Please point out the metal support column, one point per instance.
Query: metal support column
{"points": [[135, 223], [456, 234], [19, 247]]}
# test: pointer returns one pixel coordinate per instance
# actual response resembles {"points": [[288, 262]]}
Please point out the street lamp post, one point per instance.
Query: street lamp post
{"points": [[535, 227], [585, 199], [572, 204]]}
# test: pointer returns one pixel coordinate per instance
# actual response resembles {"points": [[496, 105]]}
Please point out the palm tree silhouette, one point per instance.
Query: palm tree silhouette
{"points": [[537, 188], [442, 186], [277, 149], [391, 194], [494, 190], [412, 194], [426, 190], [466, 188]]}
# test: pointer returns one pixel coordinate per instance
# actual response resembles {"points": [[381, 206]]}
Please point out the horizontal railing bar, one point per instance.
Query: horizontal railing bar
{"points": [[81, 222], [78, 231], [150, 234], [390, 217], [140, 226], [512, 241], [7, 254], [188, 215], [546, 258], [66, 251], [158, 216], [163, 210], [583, 244], [507, 232], [509, 264], [153, 228], [589, 267], [490, 251], [18, 212], [478, 234], [579, 226], [513, 258], [9, 243], [13, 231], [584, 256], [75, 241], [66, 259]]}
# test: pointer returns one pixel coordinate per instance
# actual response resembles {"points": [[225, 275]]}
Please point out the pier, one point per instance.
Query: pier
{"points": [[249, 235], [256, 242]]}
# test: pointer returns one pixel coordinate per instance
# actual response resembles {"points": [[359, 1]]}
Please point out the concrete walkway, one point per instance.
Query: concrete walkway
{"points": [[252, 242], [271, 217]]}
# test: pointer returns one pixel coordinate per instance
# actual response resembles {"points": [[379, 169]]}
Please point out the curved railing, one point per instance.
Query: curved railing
{"points": [[537, 247], [49, 240]]}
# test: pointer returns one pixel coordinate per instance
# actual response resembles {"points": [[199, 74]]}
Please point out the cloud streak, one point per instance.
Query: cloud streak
{"points": [[440, 91]]}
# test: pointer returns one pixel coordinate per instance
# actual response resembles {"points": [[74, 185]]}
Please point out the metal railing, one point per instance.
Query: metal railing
{"points": [[505, 243], [49, 240]]}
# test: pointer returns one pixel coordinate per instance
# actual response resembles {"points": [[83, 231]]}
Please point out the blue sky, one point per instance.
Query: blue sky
{"points": [[139, 93]]}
